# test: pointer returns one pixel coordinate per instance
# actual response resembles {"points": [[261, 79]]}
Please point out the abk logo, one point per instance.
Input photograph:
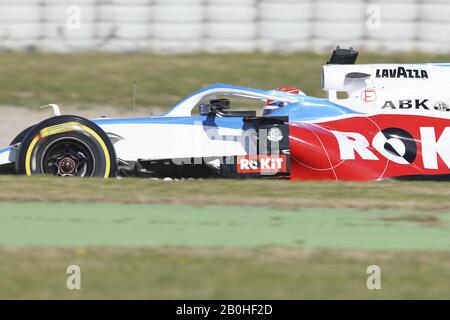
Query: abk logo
{"points": [[407, 104]]}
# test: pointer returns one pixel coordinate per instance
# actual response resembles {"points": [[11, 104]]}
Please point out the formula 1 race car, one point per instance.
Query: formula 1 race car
{"points": [[392, 123]]}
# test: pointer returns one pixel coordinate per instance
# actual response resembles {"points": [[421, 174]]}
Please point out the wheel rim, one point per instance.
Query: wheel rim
{"points": [[68, 157]]}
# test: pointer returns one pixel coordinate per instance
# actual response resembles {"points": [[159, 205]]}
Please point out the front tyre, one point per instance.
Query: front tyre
{"points": [[66, 146]]}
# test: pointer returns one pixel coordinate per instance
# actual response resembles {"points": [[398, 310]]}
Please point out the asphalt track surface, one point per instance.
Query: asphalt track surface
{"points": [[73, 225]]}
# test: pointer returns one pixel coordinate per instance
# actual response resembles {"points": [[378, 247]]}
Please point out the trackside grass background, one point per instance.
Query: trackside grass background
{"points": [[212, 273], [223, 239], [84, 80], [422, 196], [63, 225]]}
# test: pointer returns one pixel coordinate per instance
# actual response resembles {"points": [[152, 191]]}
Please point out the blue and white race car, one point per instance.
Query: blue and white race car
{"points": [[393, 122], [176, 144]]}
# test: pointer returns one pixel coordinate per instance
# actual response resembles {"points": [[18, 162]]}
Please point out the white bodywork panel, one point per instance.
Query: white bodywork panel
{"points": [[390, 84], [171, 141], [7, 155], [167, 141]]}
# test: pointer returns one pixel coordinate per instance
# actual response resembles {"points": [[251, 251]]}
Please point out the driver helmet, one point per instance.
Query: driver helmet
{"points": [[272, 105]]}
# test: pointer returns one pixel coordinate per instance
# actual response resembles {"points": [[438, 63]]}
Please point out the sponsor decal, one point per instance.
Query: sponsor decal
{"points": [[418, 104], [402, 72], [274, 134], [261, 164], [397, 145], [368, 95], [407, 104], [441, 106]]}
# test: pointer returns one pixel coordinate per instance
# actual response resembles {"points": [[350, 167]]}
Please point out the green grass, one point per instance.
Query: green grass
{"points": [[186, 273], [84, 80], [65, 225], [424, 196], [134, 247]]}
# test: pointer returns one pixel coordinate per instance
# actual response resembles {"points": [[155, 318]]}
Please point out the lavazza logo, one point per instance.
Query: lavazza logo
{"points": [[402, 72]]}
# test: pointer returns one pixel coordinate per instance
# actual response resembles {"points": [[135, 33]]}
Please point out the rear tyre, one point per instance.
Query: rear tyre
{"points": [[66, 146]]}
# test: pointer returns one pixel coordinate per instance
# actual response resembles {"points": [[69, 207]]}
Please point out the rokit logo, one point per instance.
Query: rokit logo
{"points": [[402, 72], [417, 104], [397, 145], [261, 164]]}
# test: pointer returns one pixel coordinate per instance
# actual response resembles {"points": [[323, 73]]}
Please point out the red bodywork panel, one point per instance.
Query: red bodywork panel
{"points": [[366, 148]]}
